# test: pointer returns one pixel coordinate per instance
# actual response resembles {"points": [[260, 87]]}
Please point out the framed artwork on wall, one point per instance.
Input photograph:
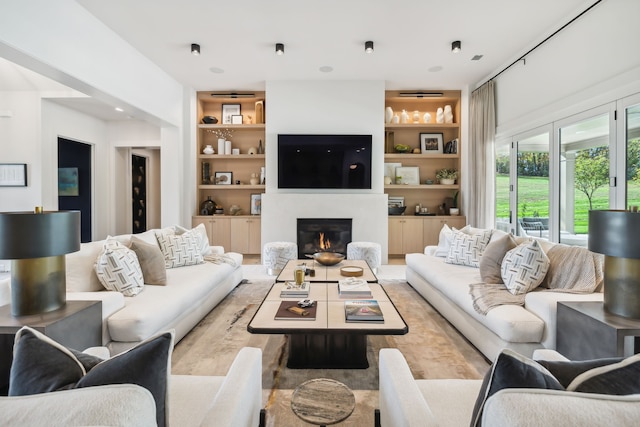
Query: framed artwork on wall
{"points": [[68, 184], [431, 143], [13, 174]]}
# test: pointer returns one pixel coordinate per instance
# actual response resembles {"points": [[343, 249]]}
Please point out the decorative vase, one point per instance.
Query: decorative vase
{"points": [[206, 173], [404, 117], [252, 150], [396, 119], [207, 207], [227, 147], [220, 145], [208, 150], [440, 116], [260, 148], [426, 118], [254, 179], [387, 180], [388, 115], [416, 116], [262, 175], [448, 115]]}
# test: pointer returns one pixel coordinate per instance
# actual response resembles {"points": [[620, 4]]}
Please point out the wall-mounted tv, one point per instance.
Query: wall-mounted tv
{"points": [[324, 161]]}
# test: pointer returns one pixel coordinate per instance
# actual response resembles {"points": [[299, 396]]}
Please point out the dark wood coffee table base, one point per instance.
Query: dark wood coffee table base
{"points": [[329, 351]]}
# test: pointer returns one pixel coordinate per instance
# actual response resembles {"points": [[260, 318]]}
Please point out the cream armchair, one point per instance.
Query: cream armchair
{"points": [[231, 400]]}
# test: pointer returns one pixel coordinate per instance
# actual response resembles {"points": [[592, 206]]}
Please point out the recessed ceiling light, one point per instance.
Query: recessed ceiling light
{"points": [[456, 46], [195, 49], [435, 69], [118, 109], [368, 46], [326, 69], [477, 57], [279, 49], [216, 70]]}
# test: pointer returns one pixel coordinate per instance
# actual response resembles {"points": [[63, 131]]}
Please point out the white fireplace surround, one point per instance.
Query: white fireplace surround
{"points": [[280, 212]]}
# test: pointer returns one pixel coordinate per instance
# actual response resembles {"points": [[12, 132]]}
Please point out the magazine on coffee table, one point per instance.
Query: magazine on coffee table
{"points": [[363, 311], [289, 310], [290, 289]]}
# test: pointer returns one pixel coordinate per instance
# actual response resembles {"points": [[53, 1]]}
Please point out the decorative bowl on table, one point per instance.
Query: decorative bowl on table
{"points": [[396, 210], [327, 258]]}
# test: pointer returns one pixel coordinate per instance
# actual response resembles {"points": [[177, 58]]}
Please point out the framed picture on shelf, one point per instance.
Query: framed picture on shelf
{"points": [[236, 119], [13, 174], [408, 175], [224, 178], [431, 143], [390, 170], [229, 110], [256, 204]]}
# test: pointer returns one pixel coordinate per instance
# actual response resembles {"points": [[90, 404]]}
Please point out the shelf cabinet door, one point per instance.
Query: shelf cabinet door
{"points": [[432, 227], [218, 230], [245, 235], [405, 235]]}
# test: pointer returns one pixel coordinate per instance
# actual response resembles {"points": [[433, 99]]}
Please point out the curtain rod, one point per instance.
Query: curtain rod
{"points": [[523, 57]]}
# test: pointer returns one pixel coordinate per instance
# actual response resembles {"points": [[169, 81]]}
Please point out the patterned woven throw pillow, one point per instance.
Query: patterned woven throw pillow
{"points": [[180, 250], [466, 249], [524, 267], [118, 269]]}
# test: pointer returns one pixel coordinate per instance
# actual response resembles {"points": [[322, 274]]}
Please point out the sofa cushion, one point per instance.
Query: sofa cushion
{"points": [[201, 231], [466, 249], [512, 370], [151, 261], [118, 269], [491, 260], [524, 268], [42, 365], [566, 371], [618, 378], [180, 250]]}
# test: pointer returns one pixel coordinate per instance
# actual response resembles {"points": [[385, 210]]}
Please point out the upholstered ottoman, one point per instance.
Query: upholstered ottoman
{"points": [[368, 251], [275, 255]]}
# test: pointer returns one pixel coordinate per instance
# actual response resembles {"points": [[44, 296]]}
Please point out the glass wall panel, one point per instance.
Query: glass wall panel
{"points": [[633, 155], [584, 175], [503, 164], [532, 212]]}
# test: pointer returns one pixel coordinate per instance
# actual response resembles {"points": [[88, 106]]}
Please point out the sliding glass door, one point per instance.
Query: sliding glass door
{"points": [[632, 161], [532, 185]]}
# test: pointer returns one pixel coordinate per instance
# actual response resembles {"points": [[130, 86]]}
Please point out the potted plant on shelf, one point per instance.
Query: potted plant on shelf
{"points": [[447, 176], [454, 210]]}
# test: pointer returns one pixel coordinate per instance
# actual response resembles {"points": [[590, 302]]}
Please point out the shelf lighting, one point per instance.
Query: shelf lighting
{"points": [[421, 94]]}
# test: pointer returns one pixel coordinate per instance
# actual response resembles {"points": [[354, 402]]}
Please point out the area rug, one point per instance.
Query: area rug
{"points": [[433, 349]]}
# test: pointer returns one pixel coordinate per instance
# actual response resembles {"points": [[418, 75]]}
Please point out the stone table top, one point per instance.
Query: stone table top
{"points": [[323, 401]]}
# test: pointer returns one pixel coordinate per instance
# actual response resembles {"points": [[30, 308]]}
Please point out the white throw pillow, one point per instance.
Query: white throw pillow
{"points": [[466, 249], [201, 232], [524, 267], [118, 269], [180, 250]]}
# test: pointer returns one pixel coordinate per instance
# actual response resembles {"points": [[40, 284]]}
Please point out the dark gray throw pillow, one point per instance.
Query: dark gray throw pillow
{"points": [[512, 370], [620, 378], [42, 365], [567, 370]]}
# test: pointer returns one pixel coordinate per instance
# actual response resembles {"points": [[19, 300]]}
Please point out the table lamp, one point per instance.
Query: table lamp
{"points": [[616, 234], [36, 244]]}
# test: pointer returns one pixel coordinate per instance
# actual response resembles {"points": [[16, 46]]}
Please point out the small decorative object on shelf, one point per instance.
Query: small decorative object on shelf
{"points": [[388, 115], [448, 115], [402, 148], [207, 207], [416, 116], [260, 148], [252, 150], [447, 176], [440, 115], [404, 117], [227, 147], [255, 180], [209, 120], [235, 210], [426, 118], [206, 173], [396, 119], [208, 150]]}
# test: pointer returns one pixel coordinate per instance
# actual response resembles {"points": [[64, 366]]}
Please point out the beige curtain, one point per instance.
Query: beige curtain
{"points": [[482, 131]]}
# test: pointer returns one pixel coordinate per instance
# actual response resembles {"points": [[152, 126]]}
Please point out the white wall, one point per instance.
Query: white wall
{"points": [[341, 107], [592, 61]]}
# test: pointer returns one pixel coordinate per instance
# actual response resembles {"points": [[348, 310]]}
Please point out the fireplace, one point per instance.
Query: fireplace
{"points": [[323, 235]]}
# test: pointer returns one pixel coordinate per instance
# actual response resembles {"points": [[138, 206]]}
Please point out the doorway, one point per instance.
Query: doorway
{"points": [[75, 187]]}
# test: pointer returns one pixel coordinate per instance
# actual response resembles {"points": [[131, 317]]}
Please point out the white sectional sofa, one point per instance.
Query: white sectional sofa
{"points": [[520, 328], [190, 293]]}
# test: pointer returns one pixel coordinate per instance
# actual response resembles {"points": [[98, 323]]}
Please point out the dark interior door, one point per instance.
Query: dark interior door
{"points": [[74, 182]]}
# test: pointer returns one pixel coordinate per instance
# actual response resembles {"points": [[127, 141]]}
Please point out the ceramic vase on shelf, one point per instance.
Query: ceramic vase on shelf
{"points": [[254, 179], [404, 117], [388, 115], [207, 207], [426, 118], [227, 147], [396, 119], [448, 115], [416, 116], [260, 148], [220, 145], [440, 116], [262, 175], [208, 150]]}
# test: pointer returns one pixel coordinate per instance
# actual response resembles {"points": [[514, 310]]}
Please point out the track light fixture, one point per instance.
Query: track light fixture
{"points": [[279, 49], [195, 49], [368, 46], [456, 46]]}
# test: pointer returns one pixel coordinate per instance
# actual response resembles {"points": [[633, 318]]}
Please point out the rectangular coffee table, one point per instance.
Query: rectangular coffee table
{"points": [[329, 341], [325, 273]]}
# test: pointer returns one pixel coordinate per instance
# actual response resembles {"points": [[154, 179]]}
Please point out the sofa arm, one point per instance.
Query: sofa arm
{"points": [[517, 407], [115, 405], [401, 403], [239, 400]]}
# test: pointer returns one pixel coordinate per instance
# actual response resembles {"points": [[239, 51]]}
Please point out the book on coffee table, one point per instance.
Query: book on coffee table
{"points": [[289, 310], [363, 311], [354, 288], [291, 290]]}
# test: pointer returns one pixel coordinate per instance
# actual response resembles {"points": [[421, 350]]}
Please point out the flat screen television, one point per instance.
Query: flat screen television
{"points": [[324, 161]]}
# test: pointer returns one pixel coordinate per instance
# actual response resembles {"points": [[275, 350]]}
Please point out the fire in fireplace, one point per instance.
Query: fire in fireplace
{"points": [[323, 235]]}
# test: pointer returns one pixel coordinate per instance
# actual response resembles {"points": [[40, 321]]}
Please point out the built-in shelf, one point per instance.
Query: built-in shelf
{"points": [[232, 187], [401, 187]]}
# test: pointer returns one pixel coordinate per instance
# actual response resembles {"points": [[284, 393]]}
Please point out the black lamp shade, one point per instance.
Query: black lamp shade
{"points": [[26, 235]]}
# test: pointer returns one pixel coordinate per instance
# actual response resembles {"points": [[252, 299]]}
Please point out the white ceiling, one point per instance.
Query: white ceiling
{"points": [[412, 39]]}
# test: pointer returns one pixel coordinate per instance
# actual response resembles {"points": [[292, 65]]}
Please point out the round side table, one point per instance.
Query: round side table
{"points": [[322, 401]]}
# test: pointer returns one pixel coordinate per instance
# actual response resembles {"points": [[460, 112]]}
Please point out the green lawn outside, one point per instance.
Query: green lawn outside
{"points": [[534, 197]]}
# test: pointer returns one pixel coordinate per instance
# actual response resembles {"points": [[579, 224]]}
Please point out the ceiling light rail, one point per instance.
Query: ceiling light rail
{"points": [[233, 95], [421, 94]]}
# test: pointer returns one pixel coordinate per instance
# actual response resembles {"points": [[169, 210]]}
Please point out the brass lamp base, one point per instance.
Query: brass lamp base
{"points": [[622, 286], [37, 285]]}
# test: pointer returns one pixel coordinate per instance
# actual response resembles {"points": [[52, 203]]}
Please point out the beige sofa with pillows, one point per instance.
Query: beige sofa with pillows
{"points": [[154, 281], [501, 291]]}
